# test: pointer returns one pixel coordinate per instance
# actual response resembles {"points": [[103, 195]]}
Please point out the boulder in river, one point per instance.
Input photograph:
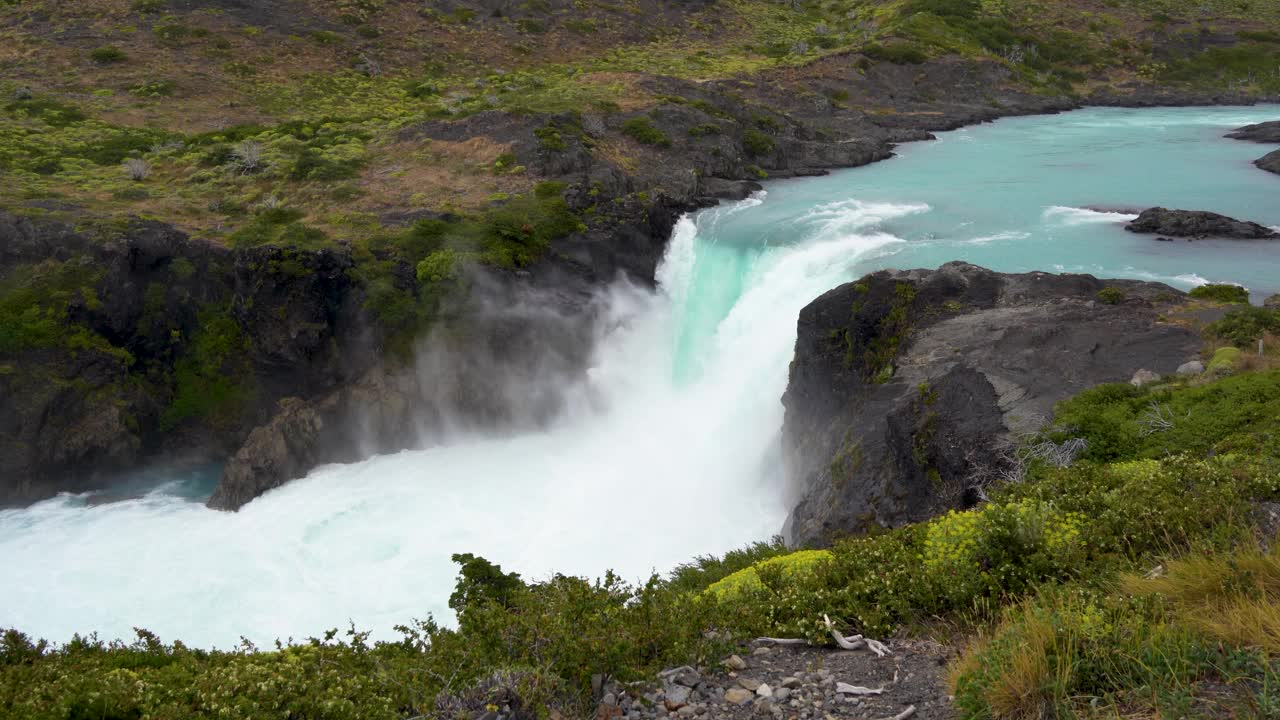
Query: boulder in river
{"points": [[906, 386], [1267, 132], [1198, 224], [1269, 162]]}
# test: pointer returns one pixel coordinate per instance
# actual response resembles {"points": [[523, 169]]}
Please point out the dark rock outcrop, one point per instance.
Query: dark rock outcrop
{"points": [[1267, 132], [1198, 224], [905, 384], [1269, 162]]}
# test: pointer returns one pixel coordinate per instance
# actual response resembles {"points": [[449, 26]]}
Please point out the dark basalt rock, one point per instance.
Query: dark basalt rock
{"points": [[1267, 132], [1269, 162], [1198, 224], [905, 384]]}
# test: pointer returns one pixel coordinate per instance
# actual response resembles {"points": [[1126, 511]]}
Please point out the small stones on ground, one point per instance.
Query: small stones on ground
{"points": [[761, 651], [677, 696], [737, 696], [795, 682]]}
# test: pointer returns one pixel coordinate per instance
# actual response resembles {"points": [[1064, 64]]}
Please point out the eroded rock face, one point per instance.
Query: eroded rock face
{"points": [[905, 384], [1198, 224]]}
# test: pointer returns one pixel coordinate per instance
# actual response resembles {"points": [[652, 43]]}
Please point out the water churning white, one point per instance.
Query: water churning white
{"points": [[668, 462]]}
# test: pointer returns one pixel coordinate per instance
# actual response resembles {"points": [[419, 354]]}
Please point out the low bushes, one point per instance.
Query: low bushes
{"points": [[1193, 639], [1220, 293], [1243, 327], [642, 130]]}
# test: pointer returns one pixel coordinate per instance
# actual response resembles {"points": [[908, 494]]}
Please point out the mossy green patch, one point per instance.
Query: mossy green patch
{"points": [[210, 382]]}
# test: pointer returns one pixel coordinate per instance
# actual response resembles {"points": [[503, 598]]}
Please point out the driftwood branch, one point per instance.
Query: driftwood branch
{"points": [[855, 642], [847, 689], [846, 642], [911, 710]]}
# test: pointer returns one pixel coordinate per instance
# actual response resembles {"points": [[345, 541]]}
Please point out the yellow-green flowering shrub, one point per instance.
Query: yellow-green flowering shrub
{"points": [[1001, 547], [793, 566]]}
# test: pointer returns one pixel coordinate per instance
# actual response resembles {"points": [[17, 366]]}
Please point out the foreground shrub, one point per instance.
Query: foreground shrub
{"points": [[1220, 293], [1124, 422], [1243, 327], [1194, 638]]}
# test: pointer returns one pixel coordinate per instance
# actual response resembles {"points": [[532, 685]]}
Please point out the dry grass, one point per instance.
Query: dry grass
{"points": [[1235, 599], [457, 175], [1031, 673]]}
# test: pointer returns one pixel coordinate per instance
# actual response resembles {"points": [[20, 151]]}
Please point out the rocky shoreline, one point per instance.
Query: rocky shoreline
{"points": [[353, 399]]}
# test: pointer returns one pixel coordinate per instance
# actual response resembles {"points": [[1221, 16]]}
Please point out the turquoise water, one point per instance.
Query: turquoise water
{"points": [[670, 448], [1016, 195]]}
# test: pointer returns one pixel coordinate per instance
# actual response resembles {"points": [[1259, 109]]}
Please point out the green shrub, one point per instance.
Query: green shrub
{"points": [[705, 570], [1221, 293], [1111, 295], [1078, 653], [757, 144], [314, 163], [153, 89], [642, 130], [208, 383], [170, 32], [942, 8], [326, 37], [1117, 420], [896, 53], [108, 55], [1243, 327], [793, 566], [704, 130], [550, 138], [1225, 360], [50, 112]]}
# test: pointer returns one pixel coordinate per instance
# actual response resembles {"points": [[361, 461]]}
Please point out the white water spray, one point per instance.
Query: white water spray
{"points": [[665, 462]]}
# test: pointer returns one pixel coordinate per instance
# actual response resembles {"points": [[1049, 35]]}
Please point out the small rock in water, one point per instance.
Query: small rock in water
{"points": [[733, 662], [764, 690]]}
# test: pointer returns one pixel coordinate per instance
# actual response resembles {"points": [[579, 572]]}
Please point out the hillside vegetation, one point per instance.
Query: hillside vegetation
{"points": [[213, 115]]}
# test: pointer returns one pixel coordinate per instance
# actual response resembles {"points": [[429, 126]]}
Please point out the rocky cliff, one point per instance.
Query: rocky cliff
{"points": [[905, 384]]}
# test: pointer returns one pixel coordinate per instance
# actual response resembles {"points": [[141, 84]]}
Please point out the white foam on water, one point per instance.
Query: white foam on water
{"points": [[1064, 215], [997, 237], [648, 475]]}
